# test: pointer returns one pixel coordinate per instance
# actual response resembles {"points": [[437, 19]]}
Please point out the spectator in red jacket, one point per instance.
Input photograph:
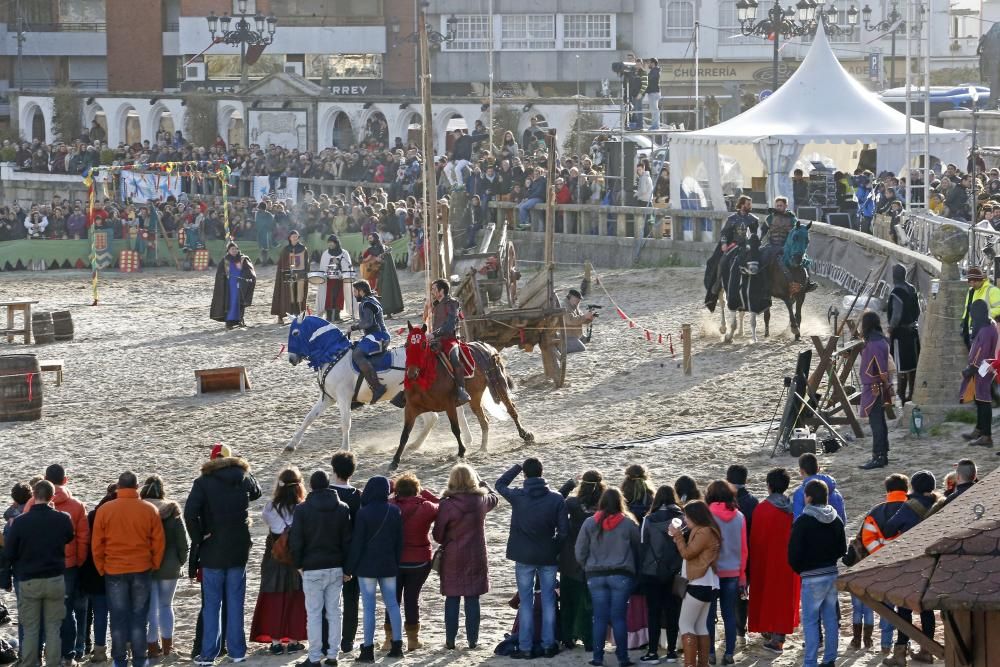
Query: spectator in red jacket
{"points": [[419, 508], [76, 554]]}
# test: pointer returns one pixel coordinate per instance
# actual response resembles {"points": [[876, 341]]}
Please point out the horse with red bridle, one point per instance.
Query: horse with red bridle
{"points": [[430, 387]]}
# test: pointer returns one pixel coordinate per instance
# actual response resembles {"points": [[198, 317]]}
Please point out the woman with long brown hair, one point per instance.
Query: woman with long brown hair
{"points": [[280, 614], [699, 547], [607, 550], [575, 607]]}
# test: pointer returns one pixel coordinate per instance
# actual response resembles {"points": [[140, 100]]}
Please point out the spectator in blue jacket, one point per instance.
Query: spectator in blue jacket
{"points": [[809, 469], [376, 550], [538, 527], [534, 196]]}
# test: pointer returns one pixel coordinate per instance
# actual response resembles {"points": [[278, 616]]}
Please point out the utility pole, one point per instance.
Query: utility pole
{"points": [[18, 68], [430, 176]]}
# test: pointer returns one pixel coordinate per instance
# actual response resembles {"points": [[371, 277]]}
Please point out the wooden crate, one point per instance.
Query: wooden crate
{"points": [[222, 379]]}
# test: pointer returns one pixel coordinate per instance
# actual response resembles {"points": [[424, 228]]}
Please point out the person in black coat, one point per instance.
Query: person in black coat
{"points": [[216, 515], [343, 469], [747, 503], [319, 541], [376, 550], [35, 547], [575, 606], [538, 527], [660, 562], [235, 280]]}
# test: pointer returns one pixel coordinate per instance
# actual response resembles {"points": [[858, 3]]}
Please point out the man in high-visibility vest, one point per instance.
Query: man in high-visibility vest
{"points": [[979, 288]]}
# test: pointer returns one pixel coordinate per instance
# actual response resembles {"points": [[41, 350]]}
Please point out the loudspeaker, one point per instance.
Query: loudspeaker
{"points": [[613, 152]]}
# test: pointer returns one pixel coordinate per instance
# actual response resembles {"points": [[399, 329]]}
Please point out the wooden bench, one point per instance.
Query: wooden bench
{"points": [[53, 366], [222, 379]]}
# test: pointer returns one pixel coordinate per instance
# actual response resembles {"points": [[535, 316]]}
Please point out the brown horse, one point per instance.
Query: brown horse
{"points": [[429, 387]]}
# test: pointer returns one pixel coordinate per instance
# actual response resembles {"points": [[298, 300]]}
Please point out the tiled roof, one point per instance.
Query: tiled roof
{"points": [[951, 560]]}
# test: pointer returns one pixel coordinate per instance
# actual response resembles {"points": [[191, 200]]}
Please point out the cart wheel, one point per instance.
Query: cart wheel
{"points": [[510, 273]]}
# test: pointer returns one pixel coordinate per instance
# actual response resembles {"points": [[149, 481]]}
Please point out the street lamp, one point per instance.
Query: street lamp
{"points": [[259, 33], [804, 19], [894, 24]]}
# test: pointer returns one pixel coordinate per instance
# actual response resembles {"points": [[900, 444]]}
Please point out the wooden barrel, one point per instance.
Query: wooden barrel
{"points": [[20, 388], [62, 325], [41, 328]]}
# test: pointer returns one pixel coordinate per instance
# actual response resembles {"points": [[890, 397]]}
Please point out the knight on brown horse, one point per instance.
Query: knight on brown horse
{"points": [[445, 315]]}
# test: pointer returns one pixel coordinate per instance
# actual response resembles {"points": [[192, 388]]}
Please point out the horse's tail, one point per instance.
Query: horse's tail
{"points": [[497, 377]]}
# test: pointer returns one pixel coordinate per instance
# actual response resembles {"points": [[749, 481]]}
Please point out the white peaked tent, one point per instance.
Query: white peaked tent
{"points": [[820, 104]]}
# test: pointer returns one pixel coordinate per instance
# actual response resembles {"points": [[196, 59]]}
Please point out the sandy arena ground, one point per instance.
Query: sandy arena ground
{"points": [[128, 402]]}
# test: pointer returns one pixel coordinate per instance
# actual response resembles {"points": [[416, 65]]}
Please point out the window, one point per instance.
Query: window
{"points": [[729, 25], [343, 66], [587, 31], [680, 19], [528, 31], [472, 33]]}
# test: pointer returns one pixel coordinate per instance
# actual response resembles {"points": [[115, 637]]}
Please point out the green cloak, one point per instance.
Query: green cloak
{"points": [[389, 293]]}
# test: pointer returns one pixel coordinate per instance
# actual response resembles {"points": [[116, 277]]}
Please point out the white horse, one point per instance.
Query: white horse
{"points": [[329, 352]]}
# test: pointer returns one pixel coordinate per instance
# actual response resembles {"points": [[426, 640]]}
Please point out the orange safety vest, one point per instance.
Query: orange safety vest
{"points": [[871, 532]]}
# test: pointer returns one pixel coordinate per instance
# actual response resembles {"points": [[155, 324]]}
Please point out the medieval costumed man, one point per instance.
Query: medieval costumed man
{"points": [[977, 384], [235, 280], [378, 269], [774, 233], [446, 312], [335, 262], [290, 286], [734, 231], [904, 340], [876, 387], [371, 324]]}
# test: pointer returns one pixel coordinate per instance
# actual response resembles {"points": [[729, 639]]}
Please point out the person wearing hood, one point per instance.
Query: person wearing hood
{"points": [[460, 529], [660, 563], [418, 508], [774, 604], [731, 566], [576, 610], [376, 551], [235, 280], [216, 515], [538, 527], [816, 543], [809, 470], [175, 553], [608, 551], [319, 540], [76, 553], [279, 617], [290, 285], [378, 268], [335, 262], [977, 387], [904, 340], [876, 387]]}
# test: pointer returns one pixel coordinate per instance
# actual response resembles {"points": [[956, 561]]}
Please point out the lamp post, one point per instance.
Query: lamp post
{"points": [[804, 19], [895, 24], [258, 33]]}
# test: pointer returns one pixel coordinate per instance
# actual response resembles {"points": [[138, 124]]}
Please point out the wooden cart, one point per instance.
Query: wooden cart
{"points": [[499, 312]]}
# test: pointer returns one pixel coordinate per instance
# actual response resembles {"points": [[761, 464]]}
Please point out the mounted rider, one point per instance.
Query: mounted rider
{"points": [[446, 312], [371, 324], [734, 232], [774, 233]]}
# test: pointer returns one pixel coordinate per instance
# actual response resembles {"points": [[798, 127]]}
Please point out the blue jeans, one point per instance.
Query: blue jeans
{"points": [[100, 605], [387, 585], [819, 605], [67, 633], [161, 610], [523, 215], [451, 608], [128, 602], [216, 583], [729, 594], [610, 596], [861, 614], [526, 613]]}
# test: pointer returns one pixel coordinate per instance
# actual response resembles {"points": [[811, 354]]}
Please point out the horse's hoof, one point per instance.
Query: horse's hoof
{"points": [[527, 436], [393, 465], [289, 448]]}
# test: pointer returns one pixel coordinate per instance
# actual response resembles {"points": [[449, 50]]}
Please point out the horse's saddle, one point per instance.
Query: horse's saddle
{"points": [[468, 361], [381, 362]]}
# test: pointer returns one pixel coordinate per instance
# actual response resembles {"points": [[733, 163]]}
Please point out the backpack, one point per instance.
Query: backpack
{"points": [[668, 561]]}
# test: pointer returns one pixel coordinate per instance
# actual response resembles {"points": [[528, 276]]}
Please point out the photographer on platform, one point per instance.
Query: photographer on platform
{"points": [[575, 320]]}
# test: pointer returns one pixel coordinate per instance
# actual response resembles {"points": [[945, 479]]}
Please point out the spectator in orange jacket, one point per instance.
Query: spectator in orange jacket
{"points": [[128, 545], [76, 554]]}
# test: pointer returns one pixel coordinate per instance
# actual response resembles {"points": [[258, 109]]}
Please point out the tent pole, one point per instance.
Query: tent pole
{"points": [[909, 92], [927, 118]]}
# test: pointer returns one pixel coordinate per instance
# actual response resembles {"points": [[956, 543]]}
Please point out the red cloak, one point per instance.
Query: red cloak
{"points": [[774, 586]]}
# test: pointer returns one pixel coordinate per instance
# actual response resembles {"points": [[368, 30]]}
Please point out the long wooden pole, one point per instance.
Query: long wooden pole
{"points": [[550, 200], [430, 176]]}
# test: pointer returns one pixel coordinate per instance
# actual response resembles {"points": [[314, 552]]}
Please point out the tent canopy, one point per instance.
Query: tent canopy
{"points": [[820, 103]]}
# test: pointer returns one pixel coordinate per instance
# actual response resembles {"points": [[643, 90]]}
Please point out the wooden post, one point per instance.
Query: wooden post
{"points": [[430, 176], [686, 347], [446, 250], [550, 199]]}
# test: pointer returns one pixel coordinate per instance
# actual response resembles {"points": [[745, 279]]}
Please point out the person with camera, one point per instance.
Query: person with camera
{"points": [[575, 320]]}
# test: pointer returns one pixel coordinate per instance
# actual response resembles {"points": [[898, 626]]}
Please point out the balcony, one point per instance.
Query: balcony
{"points": [[67, 27], [329, 21], [49, 84]]}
